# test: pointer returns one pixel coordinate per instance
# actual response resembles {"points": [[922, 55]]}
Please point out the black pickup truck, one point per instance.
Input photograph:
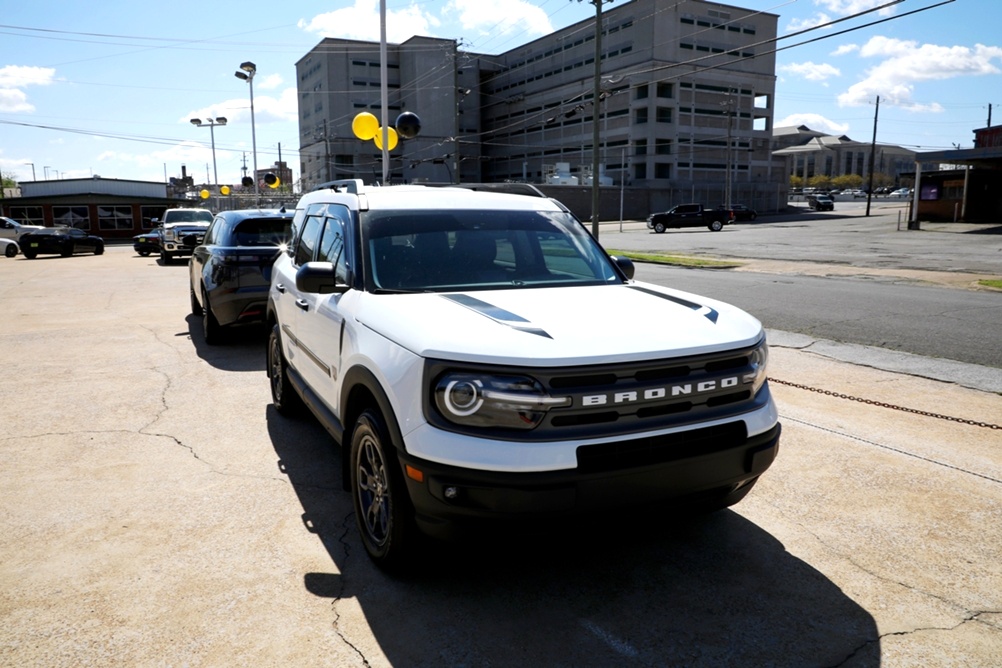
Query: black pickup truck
{"points": [[690, 215]]}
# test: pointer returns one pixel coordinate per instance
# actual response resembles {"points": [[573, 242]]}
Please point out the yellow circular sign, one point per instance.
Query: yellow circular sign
{"points": [[391, 139], [204, 194], [364, 126]]}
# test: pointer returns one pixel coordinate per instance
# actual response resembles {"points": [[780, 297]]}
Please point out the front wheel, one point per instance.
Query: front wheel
{"points": [[67, 250], [30, 255], [99, 249], [716, 226], [382, 509], [10, 250], [283, 397], [165, 257], [659, 228]]}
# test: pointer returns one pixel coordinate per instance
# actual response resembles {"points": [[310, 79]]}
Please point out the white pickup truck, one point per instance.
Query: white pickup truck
{"points": [[480, 358], [177, 224]]}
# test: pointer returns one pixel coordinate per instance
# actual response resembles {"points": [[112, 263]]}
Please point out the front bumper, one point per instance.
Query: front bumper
{"points": [[635, 472]]}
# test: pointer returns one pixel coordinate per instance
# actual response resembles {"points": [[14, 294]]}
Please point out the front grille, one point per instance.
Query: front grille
{"points": [[617, 399]]}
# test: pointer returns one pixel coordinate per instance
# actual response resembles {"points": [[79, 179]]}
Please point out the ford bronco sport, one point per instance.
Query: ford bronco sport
{"points": [[479, 357]]}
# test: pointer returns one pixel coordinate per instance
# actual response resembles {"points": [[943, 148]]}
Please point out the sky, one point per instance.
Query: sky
{"points": [[108, 89]]}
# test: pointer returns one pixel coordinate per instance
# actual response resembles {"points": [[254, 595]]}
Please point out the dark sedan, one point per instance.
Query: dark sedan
{"points": [[63, 241], [148, 242], [230, 270], [742, 212]]}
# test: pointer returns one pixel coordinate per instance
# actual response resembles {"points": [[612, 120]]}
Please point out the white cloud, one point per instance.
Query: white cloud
{"points": [[19, 76], [907, 63], [811, 71], [269, 82], [500, 16], [844, 49], [14, 101], [267, 109], [361, 21], [15, 77], [815, 122], [839, 8]]}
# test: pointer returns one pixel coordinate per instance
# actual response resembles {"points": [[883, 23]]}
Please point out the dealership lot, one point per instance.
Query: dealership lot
{"points": [[157, 511]]}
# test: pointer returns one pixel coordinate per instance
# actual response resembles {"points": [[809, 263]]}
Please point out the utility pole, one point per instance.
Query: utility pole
{"points": [[873, 151], [596, 98]]}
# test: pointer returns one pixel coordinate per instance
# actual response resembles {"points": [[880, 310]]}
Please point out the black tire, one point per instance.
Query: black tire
{"points": [[383, 511], [165, 258], [30, 255], [284, 397], [10, 250], [67, 250], [99, 249], [212, 331], [753, 216], [143, 253], [716, 226], [659, 228], [196, 308]]}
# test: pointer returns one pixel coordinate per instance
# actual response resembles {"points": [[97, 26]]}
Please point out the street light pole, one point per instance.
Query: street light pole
{"points": [[211, 123], [247, 72]]}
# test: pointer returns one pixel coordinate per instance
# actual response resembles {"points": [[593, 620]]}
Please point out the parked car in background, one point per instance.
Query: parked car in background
{"points": [[175, 225], [821, 202], [901, 192], [230, 270], [741, 212], [63, 241], [9, 247], [11, 229], [690, 215], [147, 242]]}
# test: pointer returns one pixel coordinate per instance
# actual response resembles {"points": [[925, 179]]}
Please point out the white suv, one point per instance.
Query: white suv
{"points": [[480, 357]]}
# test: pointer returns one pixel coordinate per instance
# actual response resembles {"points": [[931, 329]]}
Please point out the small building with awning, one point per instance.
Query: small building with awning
{"points": [[967, 187]]}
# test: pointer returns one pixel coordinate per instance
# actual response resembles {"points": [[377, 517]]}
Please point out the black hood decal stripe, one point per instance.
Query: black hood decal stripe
{"points": [[707, 312], [497, 314]]}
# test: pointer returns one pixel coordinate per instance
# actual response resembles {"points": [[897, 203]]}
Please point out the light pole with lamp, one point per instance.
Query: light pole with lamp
{"points": [[32, 169], [246, 72], [211, 123]]}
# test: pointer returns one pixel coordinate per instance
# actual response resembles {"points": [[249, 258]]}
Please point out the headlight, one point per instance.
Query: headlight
{"points": [[758, 360], [483, 400]]}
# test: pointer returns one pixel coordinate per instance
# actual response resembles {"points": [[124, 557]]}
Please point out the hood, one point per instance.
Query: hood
{"points": [[558, 326]]}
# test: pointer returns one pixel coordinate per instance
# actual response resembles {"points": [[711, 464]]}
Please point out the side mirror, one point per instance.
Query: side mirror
{"points": [[319, 278], [625, 265]]}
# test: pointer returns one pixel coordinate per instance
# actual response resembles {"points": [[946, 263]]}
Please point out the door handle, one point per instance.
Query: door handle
{"points": [[280, 287], [303, 304]]}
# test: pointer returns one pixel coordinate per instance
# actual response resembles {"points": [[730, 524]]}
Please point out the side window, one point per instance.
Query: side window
{"points": [[308, 240], [332, 247], [213, 232]]}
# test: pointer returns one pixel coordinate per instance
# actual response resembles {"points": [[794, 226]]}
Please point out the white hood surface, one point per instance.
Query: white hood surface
{"points": [[559, 326]]}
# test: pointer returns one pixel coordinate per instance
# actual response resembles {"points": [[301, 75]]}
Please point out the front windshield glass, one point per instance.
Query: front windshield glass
{"points": [[445, 250]]}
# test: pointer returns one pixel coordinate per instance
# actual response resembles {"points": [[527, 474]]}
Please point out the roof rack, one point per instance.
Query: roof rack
{"points": [[353, 186], [510, 188]]}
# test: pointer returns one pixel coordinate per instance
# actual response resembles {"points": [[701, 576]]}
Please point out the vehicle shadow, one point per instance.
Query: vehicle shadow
{"points": [[243, 351], [620, 590]]}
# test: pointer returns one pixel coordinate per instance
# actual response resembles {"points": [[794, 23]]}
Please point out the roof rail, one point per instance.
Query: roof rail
{"points": [[353, 186], [510, 188]]}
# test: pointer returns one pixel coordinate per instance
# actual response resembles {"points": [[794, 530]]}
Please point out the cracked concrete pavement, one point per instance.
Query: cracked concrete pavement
{"points": [[157, 512]]}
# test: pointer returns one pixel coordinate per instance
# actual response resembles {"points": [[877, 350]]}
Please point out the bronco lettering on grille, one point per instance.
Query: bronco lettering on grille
{"points": [[656, 393]]}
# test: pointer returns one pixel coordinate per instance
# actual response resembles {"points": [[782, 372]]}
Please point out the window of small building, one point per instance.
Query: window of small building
{"points": [[662, 146], [662, 170], [641, 92], [640, 170], [640, 147], [664, 115], [640, 116], [28, 215], [71, 216], [666, 90], [149, 213], [114, 218]]}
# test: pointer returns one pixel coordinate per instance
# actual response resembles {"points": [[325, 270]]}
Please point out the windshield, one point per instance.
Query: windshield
{"points": [[188, 216], [461, 250]]}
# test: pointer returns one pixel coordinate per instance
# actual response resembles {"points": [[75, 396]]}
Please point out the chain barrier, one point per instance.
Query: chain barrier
{"points": [[883, 404]]}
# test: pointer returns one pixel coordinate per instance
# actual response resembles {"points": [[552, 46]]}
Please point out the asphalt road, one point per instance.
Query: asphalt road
{"points": [[930, 321], [156, 511]]}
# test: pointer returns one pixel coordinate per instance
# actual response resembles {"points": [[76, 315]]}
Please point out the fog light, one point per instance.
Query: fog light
{"points": [[451, 493]]}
